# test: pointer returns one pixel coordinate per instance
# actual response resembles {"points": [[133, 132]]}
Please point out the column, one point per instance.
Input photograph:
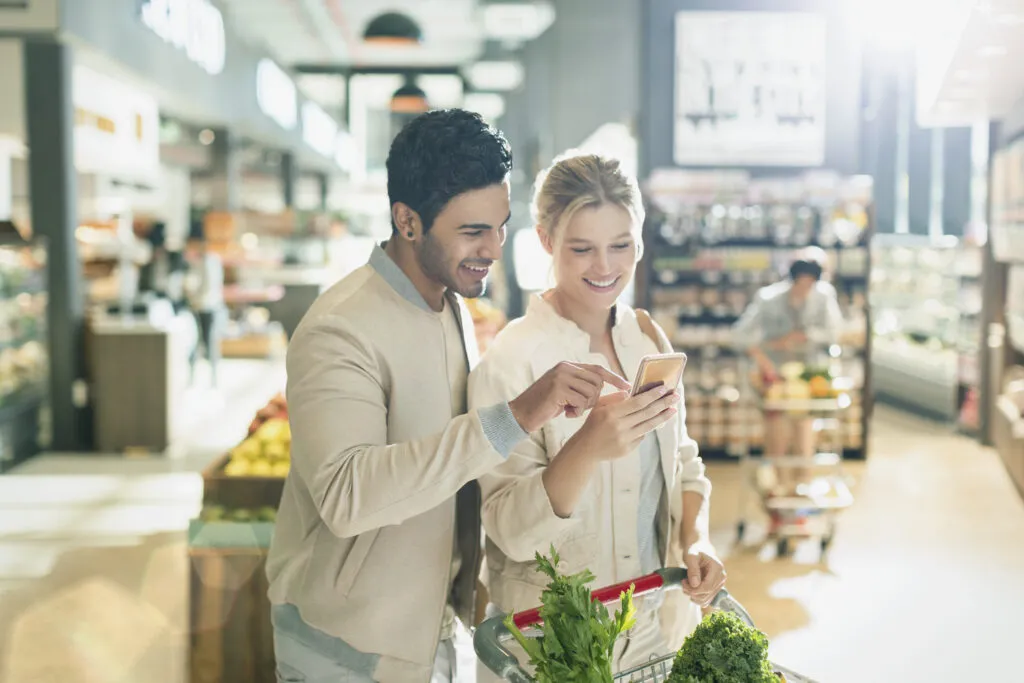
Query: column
{"points": [[226, 172], [324, 182], [53, 193], [6, 190], [289, 179]]}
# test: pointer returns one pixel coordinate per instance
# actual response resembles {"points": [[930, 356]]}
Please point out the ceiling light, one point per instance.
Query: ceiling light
{"points": [[992, 51], [517, 21], [393, 28], [489, 105], [409, 99], [501, 76]]}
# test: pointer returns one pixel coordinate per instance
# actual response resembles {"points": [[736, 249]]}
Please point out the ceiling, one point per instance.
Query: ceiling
{"points": [[330, 31], [971, 71]]}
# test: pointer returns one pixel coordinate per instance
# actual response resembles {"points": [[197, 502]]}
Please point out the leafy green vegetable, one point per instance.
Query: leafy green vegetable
{"points": [[723, 649], [578, 633]]}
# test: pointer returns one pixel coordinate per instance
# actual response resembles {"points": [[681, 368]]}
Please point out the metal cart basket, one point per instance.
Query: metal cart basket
{"points": [[811, 513], [491, 636]]}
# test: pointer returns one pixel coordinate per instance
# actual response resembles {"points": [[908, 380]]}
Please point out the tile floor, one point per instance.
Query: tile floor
{"points": [[925, 580]]}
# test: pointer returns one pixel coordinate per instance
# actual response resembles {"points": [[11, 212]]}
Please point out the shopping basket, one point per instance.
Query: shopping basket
{"points": [[491, 636]]}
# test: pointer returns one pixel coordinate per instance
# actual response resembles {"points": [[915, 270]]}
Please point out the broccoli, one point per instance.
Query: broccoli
{"points": [[723, 649]]}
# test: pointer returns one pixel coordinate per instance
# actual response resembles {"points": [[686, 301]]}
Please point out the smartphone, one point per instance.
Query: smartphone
{"points": [[664, 368]]}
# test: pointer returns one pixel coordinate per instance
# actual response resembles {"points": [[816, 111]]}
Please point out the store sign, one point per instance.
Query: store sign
{"points": [[276, 94], [193, 26], [117, 129], [319, 130]]}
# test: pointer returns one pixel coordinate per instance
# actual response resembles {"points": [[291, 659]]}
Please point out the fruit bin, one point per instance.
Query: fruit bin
{"points": [[231, 638], [232, 491]]}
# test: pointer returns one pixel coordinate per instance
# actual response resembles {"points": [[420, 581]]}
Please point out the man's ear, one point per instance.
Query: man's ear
{"points": [[545, 240], [406, 221]]}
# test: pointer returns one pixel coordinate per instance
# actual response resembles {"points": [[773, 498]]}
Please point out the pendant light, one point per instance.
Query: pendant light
{"points": [[393, 28], [409, 99]]}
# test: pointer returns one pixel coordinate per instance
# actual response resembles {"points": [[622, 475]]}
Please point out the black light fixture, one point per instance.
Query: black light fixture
{"points": [[409, 99], [393, 28]]}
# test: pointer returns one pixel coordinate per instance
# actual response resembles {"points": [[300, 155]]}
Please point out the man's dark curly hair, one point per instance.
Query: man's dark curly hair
{"points": [[442, 154]]}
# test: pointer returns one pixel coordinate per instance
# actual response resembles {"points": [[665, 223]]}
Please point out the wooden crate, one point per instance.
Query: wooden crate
{"points": [[231, 637], [239, 492]]}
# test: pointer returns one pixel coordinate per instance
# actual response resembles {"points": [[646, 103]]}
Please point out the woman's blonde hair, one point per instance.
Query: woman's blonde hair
{"points": [[577, 181]]}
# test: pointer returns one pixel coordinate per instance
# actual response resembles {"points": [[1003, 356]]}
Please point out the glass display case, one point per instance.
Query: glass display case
{"points": [[926, 297], [24, 357]]}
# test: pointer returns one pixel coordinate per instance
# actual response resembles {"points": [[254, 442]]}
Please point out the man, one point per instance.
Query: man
{"points": [[793, 320], [377, 546]]}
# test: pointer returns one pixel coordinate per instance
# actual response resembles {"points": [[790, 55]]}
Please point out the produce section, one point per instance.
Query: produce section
{"points": [[230, 626]]}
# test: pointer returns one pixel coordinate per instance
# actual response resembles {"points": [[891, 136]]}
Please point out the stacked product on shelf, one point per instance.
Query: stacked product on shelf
{"points": [[926, 301], [713, 239], [231, 636]]}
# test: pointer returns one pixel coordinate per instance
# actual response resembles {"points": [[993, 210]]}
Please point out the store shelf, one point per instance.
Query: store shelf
{"points": [[711, 245]]}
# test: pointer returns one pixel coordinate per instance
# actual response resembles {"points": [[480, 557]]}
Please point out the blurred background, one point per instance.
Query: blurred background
{"points": [[136, 134]]}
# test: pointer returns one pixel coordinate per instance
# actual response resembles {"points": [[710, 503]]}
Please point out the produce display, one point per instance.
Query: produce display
{"points": [[578, 634], [723, 649], [266, 452], [802, 382], [220, 513]]}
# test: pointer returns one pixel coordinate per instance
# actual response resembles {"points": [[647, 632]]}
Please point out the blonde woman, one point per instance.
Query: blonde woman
{"points": [[619, 491]]}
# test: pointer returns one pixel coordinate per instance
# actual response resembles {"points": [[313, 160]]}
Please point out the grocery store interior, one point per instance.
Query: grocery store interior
{"points": [[142, 141]]}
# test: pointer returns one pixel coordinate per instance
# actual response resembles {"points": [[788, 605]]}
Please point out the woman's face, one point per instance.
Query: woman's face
{"points": [[595, 256]]}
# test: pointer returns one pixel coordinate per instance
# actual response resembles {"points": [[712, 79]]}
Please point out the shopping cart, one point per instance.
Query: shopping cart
{"points": [[491, 636], [812, 510]]}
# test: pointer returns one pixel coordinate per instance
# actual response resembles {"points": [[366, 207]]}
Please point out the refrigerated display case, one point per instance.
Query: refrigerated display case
{"points": [[24, 357], [926, 297]]}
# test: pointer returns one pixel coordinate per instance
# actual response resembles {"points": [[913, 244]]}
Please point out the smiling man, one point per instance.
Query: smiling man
{"points": [[377, 546]]}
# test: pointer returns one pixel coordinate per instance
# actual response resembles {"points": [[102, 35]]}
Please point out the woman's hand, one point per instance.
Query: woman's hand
{"points": [[617, 425], [705, 576]]}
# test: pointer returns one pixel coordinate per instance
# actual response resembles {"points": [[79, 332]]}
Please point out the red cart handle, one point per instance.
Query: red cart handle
{"points": [[669, 576]]}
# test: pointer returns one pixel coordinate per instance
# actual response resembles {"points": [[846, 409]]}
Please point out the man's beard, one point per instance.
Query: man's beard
{"points": [[438, 267]]}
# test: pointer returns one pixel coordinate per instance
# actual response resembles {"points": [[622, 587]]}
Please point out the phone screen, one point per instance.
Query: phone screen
{"points": [[666, 369]]}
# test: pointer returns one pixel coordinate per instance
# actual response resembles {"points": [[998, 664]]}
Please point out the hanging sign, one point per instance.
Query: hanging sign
{"points": [[319, 130], [193, 26], [117, 129], [276, 94]]}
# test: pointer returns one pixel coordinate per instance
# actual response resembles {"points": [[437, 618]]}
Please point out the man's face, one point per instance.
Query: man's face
{"points": [[466, 239]]}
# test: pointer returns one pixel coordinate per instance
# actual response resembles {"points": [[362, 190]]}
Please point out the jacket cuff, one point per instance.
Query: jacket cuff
{"points": [[501, 428]]}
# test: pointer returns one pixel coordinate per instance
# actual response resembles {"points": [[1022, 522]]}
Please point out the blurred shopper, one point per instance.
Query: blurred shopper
{"points": [[376, 551], [205, 290], [795, 320], [622, 492]]}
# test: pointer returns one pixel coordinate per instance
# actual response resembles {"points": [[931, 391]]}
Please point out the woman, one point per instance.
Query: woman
{"points": [[620, 492]]}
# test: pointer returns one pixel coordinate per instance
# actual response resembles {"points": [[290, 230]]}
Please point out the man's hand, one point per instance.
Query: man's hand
{"points": [[570, 388], [705, 576]]}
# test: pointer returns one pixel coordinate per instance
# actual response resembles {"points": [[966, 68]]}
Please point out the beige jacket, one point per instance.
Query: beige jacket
{"points": [[518, 519], [364, 537]]}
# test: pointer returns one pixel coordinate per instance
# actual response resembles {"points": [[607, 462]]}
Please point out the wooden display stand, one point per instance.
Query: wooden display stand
{"points": [[231, 638]]}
